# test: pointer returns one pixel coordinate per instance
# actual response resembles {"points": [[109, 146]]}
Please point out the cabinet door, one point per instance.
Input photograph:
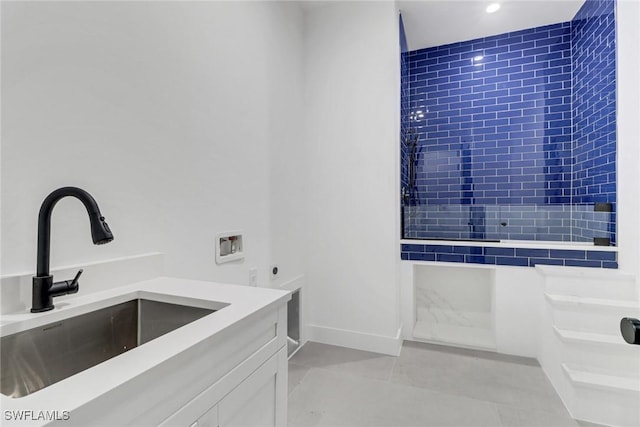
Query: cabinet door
{"points": [[261, 399]]}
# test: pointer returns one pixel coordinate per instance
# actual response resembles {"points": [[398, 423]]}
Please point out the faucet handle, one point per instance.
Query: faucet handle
{"points": [[72, 285], [74, 282], [65, 287]]}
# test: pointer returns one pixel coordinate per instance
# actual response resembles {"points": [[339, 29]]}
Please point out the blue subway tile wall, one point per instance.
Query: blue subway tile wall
{"points": [[495, 118], [594, 115], [587, 224], [491, 222], [518, 257], [502, 152]]}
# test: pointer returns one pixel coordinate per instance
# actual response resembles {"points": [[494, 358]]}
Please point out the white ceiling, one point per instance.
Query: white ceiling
{"points": [[430, 23]]}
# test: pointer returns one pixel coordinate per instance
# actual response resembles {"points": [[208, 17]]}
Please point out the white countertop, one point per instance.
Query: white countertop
{"points": [[73, 392]]}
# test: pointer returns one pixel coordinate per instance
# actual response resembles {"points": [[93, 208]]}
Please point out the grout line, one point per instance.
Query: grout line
{"points": [[301, 379], [495, 408], [393, 368]]}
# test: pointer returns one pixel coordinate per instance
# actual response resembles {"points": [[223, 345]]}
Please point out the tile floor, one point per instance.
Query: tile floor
{"points": [[427, 385]]}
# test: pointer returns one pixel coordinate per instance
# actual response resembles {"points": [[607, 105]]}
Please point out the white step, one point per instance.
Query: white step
{"points": [[590, 303], [599, 283], [579, 337], [594, 371], [582, 377], [607, 354], [603, 399], [593, 315]]}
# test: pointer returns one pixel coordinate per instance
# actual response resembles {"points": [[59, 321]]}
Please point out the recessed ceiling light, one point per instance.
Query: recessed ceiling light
{"points": [[493, 7]]}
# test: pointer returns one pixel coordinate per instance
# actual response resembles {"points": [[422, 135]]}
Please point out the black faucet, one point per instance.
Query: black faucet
{"points": [[43, 287]]}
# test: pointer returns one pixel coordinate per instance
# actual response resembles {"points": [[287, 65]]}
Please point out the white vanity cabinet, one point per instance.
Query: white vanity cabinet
{"points": [[254, 392], [258, 401], [228, 368]]}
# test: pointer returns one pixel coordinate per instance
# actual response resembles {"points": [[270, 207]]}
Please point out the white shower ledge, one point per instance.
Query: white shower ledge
{"points": [[528, 244]]}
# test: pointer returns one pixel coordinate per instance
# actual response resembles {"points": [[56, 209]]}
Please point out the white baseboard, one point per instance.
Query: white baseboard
{"points": [[356, 340]]}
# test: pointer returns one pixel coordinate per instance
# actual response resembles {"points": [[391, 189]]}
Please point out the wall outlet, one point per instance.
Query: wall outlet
{"points": [[275, 272], [253, 276]]}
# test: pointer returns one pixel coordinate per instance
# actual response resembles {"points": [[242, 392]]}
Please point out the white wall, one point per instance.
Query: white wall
{"points": [[518, 304], [628, 38], [352, 130], [287, 155], [167, 112]]}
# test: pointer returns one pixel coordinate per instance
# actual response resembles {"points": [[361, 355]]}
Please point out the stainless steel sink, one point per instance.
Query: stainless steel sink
{"points": [[36, 358]]}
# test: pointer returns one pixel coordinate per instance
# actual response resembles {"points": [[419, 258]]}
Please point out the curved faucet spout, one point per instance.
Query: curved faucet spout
{"points": [[43, 287]]}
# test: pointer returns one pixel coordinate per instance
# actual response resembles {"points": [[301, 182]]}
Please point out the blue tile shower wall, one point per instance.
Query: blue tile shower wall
{"points": [[516, 257], [594, 113], [497, 115], [496, 130], [502, 152], [491, 222]]}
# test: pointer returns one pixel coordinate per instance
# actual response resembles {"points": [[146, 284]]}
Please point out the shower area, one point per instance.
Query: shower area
{"points": [[512, 137], [508, 191]]}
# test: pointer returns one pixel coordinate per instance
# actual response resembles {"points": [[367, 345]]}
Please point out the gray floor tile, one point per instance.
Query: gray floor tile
{"points": [[296, 374], [517, 417], [588, 424], [477, 376], [426, 386], [327, 398], [488, 355], [345, 360]]}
